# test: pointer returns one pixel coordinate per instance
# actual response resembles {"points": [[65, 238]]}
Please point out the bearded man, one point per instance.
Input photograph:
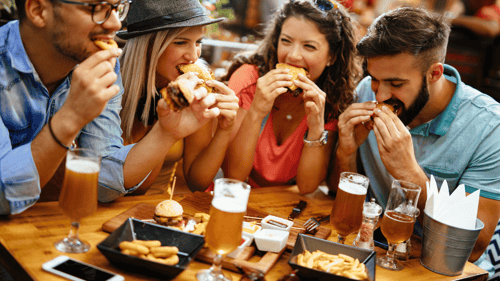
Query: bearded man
{"points": [[445, 129]]}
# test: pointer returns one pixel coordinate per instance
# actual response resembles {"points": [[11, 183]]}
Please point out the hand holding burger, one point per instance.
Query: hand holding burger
{"points": [[294, 71], [394, 107]]}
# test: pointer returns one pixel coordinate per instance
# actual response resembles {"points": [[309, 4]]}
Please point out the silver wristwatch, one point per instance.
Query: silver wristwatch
{"points": [[322, 141]]}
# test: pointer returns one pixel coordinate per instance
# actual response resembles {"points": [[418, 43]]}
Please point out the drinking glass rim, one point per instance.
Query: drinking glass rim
{"points": [[244, 184], [412, 186], [85, 152], [365, 178]]}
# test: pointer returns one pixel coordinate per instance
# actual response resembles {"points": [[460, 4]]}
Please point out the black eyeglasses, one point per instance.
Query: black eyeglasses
{"points": [[325, 5], [102, 10]]}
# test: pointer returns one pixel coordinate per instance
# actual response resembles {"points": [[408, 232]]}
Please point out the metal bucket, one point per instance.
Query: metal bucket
{"points": [[446, 249]]}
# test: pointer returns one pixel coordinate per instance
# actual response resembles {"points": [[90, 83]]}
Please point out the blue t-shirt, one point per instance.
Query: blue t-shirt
{"points": [[25, 107], [460, 145]]}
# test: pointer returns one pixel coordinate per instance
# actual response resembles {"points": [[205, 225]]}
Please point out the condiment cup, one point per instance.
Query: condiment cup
{"points": [[250, 230], [245, 242], [277, 223], [271, 240]]}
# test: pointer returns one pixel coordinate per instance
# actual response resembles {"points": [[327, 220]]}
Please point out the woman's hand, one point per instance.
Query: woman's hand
{"points": [[185, 122], [227, 102], [314, 103], [269, 87]]}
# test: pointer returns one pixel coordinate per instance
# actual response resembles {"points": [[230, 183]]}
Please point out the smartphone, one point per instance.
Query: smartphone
{"points": [[77, 270]]}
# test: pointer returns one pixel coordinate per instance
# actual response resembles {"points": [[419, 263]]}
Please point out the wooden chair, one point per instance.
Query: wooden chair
{"points": [[468, 52]]}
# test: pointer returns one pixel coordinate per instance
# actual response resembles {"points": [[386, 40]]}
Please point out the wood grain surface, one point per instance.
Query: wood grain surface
{"points": [[200, 202], [27, 239]]}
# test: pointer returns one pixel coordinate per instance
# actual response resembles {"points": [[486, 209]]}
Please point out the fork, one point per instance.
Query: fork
{"points": [[312, 223]]}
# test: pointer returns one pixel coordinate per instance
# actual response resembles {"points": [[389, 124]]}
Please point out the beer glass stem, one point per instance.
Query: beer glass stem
{"points": [[217, 265], [341, 239], [73, 232], [390, 252]]}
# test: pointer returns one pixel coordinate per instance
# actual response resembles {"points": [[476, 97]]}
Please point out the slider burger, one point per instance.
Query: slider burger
{"points": [[169, 213], [294, 71], [394, 107], [104, 45]]}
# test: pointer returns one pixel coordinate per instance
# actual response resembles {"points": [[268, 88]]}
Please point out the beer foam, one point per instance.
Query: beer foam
{"points": [[352, 188], [82, 166], [228, 205]]}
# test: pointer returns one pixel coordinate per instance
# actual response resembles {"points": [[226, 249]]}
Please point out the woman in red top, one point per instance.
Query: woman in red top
{"points": [[282, 138]]}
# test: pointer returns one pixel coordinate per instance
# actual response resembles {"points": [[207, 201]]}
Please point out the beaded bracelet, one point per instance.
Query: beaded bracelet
{"points": [[54, 136]]}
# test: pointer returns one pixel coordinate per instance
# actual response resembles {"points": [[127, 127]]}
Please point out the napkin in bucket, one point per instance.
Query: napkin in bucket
{"points": [[456, 210]]}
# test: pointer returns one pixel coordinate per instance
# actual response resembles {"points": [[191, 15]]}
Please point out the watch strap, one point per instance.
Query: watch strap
{"points": [[321, 142]]}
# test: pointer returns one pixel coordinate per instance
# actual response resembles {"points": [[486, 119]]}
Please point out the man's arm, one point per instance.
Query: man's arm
{"points": [[489, 214]]}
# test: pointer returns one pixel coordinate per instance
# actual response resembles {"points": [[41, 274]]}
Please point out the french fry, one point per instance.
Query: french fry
{"points": [[342, 265]]}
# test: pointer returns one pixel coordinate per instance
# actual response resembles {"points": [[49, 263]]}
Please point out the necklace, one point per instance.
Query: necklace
{"points": [[289, 117]]}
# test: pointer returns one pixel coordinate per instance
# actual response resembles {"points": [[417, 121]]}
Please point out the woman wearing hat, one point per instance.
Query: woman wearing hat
{"points": [[161, 35], [283, 138]]}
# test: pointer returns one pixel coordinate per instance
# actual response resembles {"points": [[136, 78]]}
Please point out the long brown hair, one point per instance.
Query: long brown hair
{"points": [[339, 80]]}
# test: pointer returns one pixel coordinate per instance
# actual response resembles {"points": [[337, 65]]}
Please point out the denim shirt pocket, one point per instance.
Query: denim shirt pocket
{"points": [[19, 135], [440, 175]]}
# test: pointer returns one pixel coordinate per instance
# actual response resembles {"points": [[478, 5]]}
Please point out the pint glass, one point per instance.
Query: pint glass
{"points": [[223, 234], [347, 211]]}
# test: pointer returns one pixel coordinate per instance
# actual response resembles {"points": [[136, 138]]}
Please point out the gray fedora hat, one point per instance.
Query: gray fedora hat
{"points": [[146, 16]]}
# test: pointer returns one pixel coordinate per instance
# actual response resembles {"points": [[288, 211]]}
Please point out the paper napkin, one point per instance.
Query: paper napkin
{"points": [[454, 209]]}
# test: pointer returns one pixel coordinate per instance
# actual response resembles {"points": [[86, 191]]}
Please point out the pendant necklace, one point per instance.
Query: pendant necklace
{"points": [[289, 117]]}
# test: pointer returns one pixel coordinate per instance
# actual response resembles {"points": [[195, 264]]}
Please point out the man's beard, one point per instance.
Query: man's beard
{"points": [[407, 115], [63, 43]]}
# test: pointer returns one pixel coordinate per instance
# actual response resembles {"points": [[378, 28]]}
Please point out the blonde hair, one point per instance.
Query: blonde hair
{"points": [[138, 69]]}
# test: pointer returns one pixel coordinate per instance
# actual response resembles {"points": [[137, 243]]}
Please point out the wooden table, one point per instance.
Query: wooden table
{"points": [[27, 240]]}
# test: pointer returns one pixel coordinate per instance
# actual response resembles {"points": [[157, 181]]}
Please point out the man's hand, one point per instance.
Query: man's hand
{"points": [[92, 86], [352, 132], [395, 144]]}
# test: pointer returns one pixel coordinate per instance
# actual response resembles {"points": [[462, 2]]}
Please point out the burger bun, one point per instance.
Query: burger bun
{"points": [[169, 209]]}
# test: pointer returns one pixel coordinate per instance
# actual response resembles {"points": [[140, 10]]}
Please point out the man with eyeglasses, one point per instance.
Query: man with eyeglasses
{"points": [[57, 88]]}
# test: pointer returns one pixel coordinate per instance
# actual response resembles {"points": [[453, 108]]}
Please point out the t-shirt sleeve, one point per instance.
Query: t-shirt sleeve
{"points": [[244, 82]]}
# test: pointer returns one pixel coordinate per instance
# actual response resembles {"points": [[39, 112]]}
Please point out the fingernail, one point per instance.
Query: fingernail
{"points": [[385, 108], [120, 51]]}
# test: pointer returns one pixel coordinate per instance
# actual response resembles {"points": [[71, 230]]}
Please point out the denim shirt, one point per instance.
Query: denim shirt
{"points": [[25, 108]]}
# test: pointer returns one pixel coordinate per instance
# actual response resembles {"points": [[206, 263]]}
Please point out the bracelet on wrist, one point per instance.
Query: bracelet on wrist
{"points": [[54, 136], [321, 142]]}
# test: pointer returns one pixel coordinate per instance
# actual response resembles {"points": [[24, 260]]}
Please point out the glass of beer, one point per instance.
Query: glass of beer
{"points": [[223, 234], [78, 198], [399, 217], [347, 211]]}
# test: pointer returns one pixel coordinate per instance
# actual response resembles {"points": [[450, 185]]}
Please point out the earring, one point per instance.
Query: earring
{"points": [[329, 64]]}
